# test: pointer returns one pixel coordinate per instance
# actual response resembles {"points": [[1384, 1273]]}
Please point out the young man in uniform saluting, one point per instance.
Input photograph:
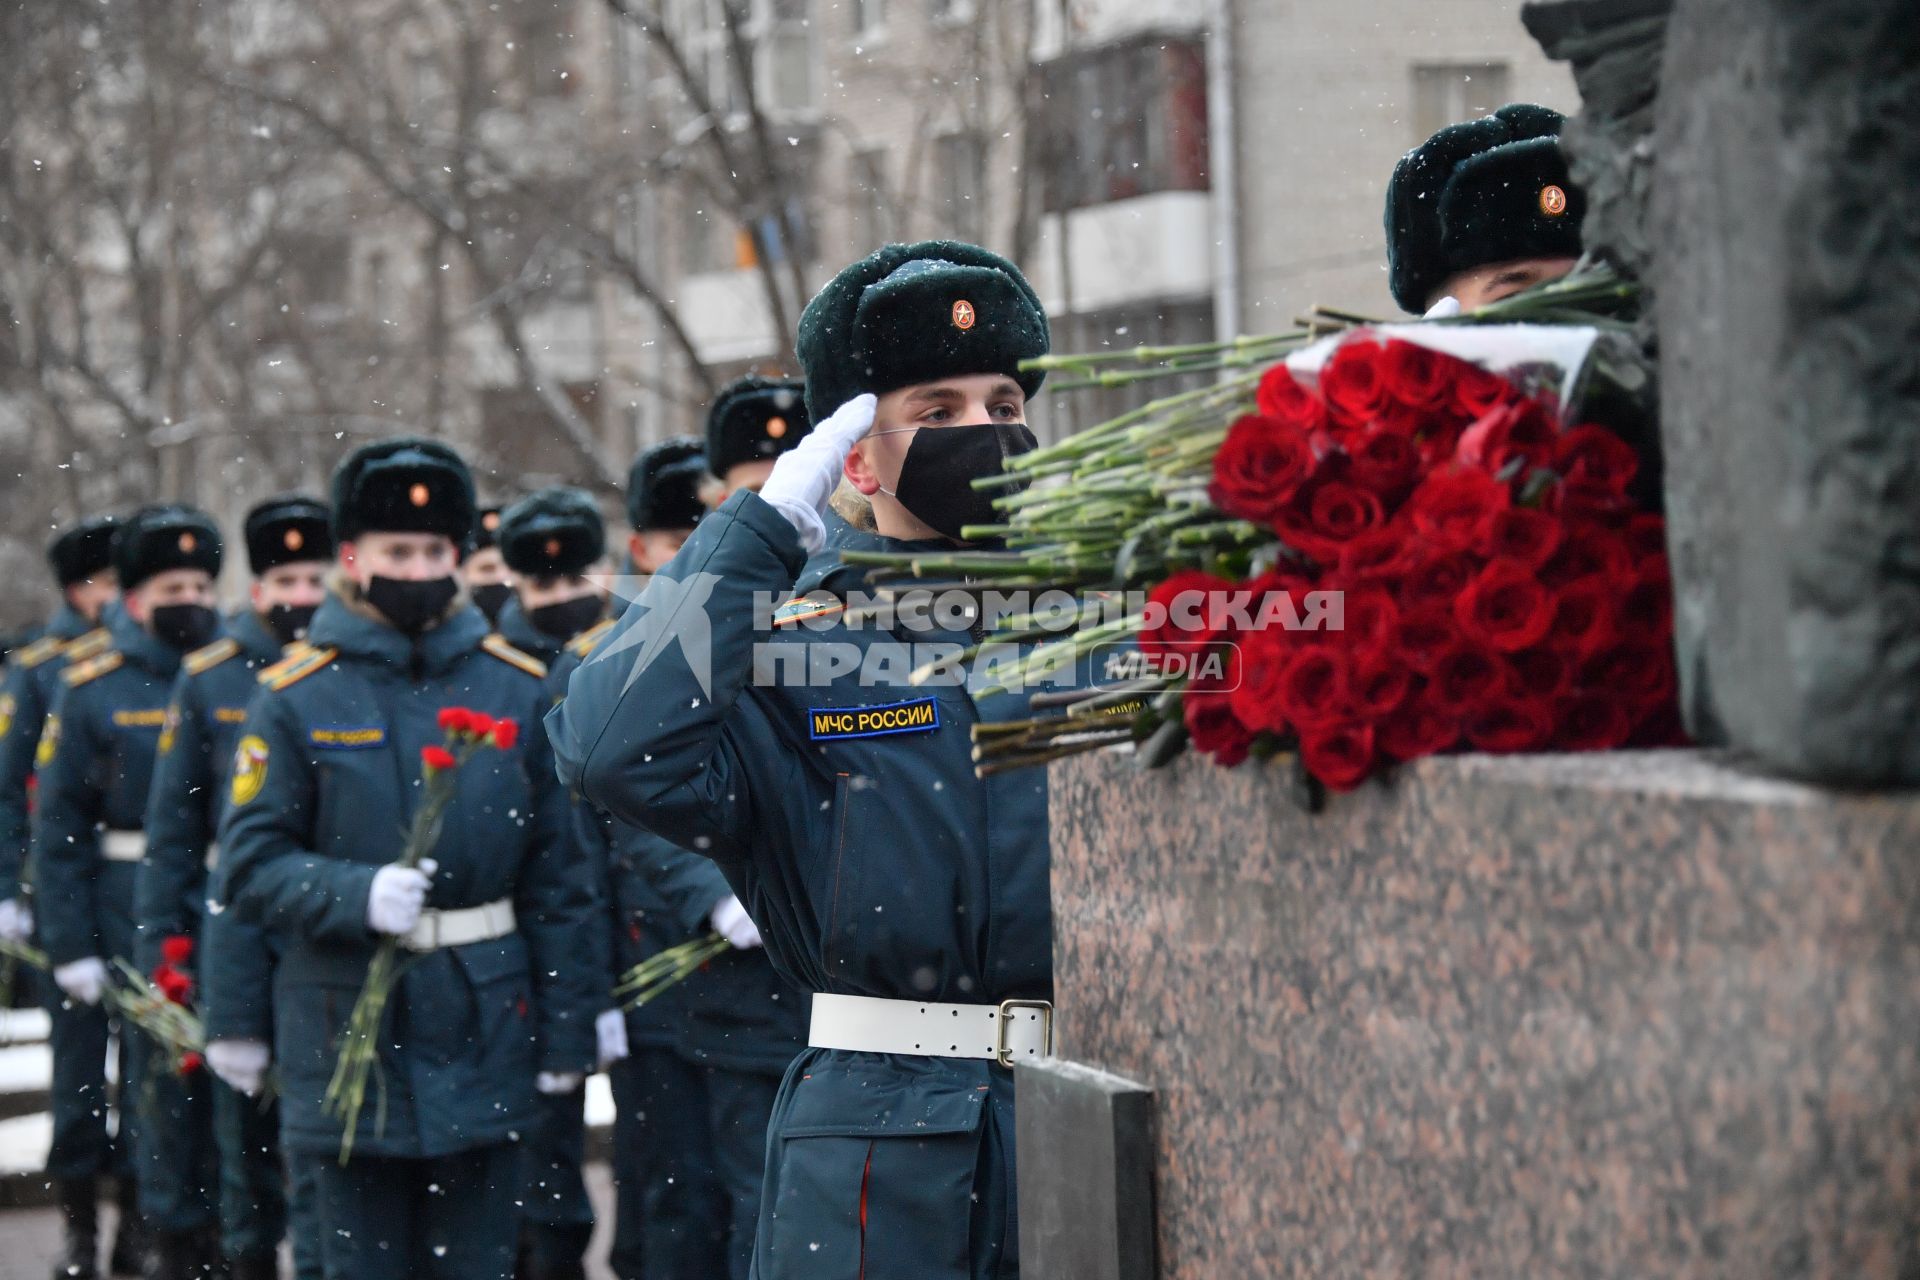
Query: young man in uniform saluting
{"points": [[495, 1001], [289, 549], [907, 894], [97, 755]]}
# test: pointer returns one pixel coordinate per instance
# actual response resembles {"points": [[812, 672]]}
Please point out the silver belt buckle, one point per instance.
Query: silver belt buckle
{"points": [[1003, 1054]]}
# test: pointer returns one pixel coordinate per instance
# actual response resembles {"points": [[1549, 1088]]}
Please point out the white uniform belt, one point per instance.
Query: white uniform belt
{"points": [[1008, 1032], [457, 928], [123, 846]]}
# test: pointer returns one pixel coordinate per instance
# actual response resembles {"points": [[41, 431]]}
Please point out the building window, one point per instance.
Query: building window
{"points": [[868, 15], [1122, 120], [1447, 93], [959, 180], [779, 37]]}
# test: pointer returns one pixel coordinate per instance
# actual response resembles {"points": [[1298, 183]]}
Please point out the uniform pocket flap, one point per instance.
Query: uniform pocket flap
{"points": [[492, 961], [875, 1098]]}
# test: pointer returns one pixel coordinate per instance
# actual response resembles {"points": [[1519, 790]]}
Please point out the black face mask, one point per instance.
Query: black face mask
{"points": [[411, 606], [185, 626], [936, 477], [492, 598], [289, 622], [569, 618]]}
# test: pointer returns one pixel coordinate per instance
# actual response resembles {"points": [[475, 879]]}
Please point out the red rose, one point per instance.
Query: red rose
{"points": [[1312, 690], [1639, 672], [1583, 617], [1505, 607], [1660, 726], [1509, 724], [1376, 554], [1424, 635], [1588, 549], [1354, 383], [176, 949], [1384, 463], [1595, 466], [1543, 674], [1646, 537], [1590, 722], [1339, 755], [1284, 398], [1368, 618], [455, 719], [1476, 391], [1181, 610], [1260, 466], [1341, 512], [505, 734], [1419, 728], [1418, 377], [437, 758], [1520, 533], [1212, 727], [1465, 678], [1256, 672], [1379, 686], [1450, 508], [1520, 430], [1646, 609], [1436, 580]]}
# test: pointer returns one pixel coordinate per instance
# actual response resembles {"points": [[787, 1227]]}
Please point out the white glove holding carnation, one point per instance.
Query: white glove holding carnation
{"points": [[84, 981], [397, 896], [805, 476], [730, 921], [241, 1063]]}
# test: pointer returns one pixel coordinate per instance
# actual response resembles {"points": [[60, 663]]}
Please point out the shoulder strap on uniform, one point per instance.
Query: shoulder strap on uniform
{"points": [[96, 641], [41, 650], [800, 608], [584, 644], [514, 657], [92, 669], [297, 667], [211, 656]]}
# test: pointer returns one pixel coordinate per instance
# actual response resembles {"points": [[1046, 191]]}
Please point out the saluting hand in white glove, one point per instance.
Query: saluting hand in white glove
{"points": [[730, 921], [805, 476], [397, 896]]}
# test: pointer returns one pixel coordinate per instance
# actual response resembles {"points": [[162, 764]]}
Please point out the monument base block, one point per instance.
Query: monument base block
{"points": [[1627, 1015]]}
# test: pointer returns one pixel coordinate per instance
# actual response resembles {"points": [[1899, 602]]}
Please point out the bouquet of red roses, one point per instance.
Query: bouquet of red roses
{"points": [[1496, 588]]}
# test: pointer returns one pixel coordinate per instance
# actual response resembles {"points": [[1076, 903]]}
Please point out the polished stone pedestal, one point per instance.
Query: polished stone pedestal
{"points": [[1637, 1015]]}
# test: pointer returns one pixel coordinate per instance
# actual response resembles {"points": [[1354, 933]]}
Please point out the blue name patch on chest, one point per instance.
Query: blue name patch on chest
{"points": [[916, 716], [348, 737]]}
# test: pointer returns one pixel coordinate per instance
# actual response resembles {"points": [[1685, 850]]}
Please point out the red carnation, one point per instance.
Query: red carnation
{"points": [[1260, 466], [1312, 691], [1464, 678], [190, 1062], [173, 984], [1590, 722], [437, 758], [176, 949], [1509, 724], [1418, 377], [1287, 400], [1450, 508], [1353, 382], [1419, 728], [455, 719], [505, 734], [1384, 463], [1182, 611], [1213, 728], [1339, 755], [1520, 533], [479, 723], [1505, 607]]}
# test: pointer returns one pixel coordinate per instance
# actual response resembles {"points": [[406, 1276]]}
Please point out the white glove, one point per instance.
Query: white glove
{"points": [[729, 919], [805, 476], [16, 920], [397, 895], [82, 980], [552, 1083], [1445, 309], [241, 1063], [610, 1029]]}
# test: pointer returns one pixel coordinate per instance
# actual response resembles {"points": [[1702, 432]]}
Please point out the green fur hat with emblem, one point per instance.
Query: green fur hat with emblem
{"points": [[1490, 190], [913, 313]]}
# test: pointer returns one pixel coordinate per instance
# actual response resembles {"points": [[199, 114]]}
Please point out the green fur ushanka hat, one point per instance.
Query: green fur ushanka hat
{"points": [[552, 532], [1489, 190], [913, 313], [403, 485]]}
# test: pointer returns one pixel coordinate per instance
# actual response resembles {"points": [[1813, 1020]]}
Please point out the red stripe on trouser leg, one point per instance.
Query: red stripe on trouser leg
{"points": [[866, 1177]]}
